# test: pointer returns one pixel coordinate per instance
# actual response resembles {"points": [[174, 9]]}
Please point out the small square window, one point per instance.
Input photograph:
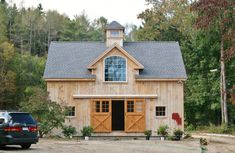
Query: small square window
{"points": [[114, 33], [105, 106], [97, 106], [130, 106], [138, 106], [160, 111], [70, 111]]}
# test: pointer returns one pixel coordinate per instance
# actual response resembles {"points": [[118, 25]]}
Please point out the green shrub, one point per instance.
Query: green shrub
{"points": [[47, 113], [148, 133], [232, 127], [163, 130], [226, 129], [68, 130], [190, 128], [178, 134], [87, 131], [223, 129], [170, 137]]}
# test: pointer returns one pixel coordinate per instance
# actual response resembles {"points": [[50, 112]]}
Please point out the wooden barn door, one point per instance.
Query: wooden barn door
{"points": [[134, 115], [101, 115]]}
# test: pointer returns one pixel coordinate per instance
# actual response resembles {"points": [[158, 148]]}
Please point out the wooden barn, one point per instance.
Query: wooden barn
{"points": [[119, 86]]}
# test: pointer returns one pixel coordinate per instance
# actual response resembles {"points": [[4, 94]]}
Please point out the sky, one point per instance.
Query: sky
{"points": [[123, 11]]}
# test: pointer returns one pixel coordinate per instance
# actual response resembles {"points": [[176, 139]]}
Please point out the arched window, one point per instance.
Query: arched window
{"points": [[115, 68]]}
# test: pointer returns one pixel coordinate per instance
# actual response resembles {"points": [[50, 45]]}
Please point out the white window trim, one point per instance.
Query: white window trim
{"points": [[75, 112], [104, 70], [166, 112]]}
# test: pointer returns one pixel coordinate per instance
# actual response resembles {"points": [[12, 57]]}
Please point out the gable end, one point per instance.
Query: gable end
{"points": [[139, 65]]}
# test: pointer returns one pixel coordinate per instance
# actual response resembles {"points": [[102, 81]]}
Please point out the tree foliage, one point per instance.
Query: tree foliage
{"points": [[48, 114], [7, 75], [25, 34], [174, 20], [166, 20], [32, 29], [3, 21], [219, 15]]}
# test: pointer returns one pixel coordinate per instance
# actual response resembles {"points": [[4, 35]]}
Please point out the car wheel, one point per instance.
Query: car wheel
{"points": [[2, 146], [25, 146]]}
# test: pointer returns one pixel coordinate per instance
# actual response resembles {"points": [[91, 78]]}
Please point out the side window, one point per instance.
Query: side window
{"points": [[161, 111], [70, 111], [2, 120]]}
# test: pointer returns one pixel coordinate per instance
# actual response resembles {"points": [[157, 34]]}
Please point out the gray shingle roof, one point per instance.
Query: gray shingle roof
{"points": [[161, 60], [114, 25]]}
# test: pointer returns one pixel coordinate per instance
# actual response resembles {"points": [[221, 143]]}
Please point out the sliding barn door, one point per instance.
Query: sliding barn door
{"points": [[134, 115], [101, 115]]}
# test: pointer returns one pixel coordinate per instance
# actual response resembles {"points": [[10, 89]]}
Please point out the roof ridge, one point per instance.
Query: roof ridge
{"points": [[85, 41], [151, 41]]}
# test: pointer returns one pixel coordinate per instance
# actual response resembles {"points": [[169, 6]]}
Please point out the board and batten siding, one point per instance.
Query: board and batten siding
{"points": [[169, 94]]}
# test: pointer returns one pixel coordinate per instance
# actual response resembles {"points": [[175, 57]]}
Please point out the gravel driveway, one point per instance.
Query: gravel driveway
{"points": [[112, 146]]}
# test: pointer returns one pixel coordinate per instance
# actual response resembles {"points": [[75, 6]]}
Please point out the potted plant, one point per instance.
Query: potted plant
{"points": [[86, 132], [148, 133], [178, 134], [69, 131], [163, 131]]}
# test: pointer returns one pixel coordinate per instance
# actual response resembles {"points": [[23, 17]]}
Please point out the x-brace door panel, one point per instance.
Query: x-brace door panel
{"points": [[134, 115], [101, 115]]}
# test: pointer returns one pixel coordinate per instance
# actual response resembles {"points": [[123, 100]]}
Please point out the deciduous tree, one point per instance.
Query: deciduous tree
{"points": [[219, 14], [7, 76], [48, 114]]}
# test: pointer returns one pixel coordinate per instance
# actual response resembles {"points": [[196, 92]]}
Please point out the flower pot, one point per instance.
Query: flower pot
{"points": [[162, 138], [86, 138], [147, 137], [177, 137]]}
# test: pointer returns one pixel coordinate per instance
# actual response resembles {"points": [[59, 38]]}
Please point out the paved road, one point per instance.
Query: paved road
{"points": [[112, 146], [107, 146]]}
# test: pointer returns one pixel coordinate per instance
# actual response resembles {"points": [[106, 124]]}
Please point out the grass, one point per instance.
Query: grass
{"points": [[223, 129]]}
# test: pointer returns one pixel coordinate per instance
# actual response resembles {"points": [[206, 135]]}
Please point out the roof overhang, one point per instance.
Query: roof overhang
{"points": [[77, 96], [69, 79], [154, 78], [115, 45], [158, 79]]}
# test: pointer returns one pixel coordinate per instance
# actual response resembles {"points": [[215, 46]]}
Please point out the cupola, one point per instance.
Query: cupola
{"points": [[114, 34]]}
